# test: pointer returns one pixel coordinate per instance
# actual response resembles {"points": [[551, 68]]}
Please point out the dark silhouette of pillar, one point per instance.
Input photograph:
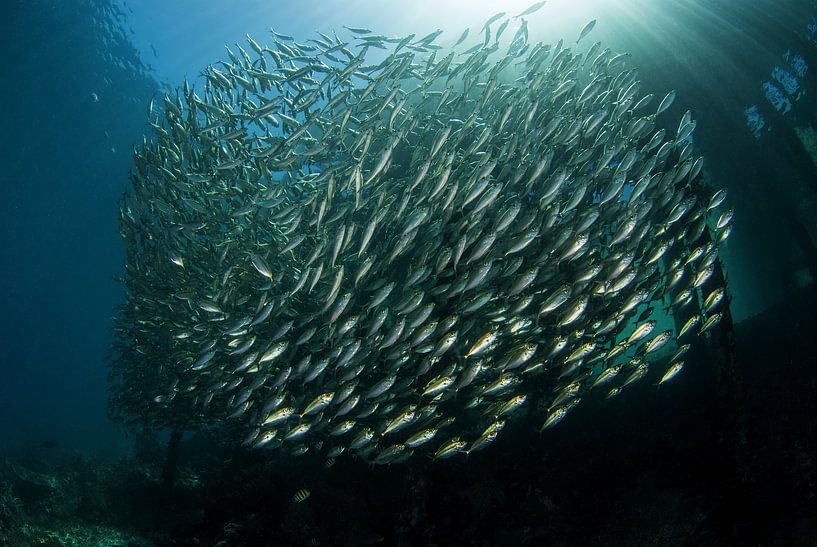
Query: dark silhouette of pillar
{"points": [[171, 464]]}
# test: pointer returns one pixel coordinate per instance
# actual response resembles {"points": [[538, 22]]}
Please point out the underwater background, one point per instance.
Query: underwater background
{"points": [[724, 454]]}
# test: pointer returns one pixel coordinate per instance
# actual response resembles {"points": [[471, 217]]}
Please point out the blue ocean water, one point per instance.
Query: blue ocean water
{"points": [[78, 76], [75, 91]]}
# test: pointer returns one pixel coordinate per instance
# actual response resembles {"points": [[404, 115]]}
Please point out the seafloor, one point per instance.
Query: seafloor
{"points": [[705, 460]]}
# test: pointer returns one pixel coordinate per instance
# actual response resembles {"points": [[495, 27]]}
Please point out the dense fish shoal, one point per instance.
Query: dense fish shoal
{"points": [[379, 245]]}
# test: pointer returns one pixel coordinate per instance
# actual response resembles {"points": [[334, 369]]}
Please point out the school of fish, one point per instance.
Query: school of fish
{"points": [[381, 246]]}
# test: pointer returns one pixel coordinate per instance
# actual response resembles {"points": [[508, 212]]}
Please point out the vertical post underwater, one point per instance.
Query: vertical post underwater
{"points": [[721, 348], [171, 463]]}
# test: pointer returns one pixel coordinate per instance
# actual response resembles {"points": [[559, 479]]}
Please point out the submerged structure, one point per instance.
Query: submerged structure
{"points": [[381, 246]]}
